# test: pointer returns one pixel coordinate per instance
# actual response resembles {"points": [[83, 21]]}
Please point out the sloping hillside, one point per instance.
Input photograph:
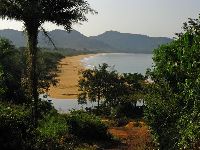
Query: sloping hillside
{"points": [[110, 41], [127, 42]]}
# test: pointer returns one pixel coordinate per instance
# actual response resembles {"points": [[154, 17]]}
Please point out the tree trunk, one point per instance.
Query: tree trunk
{"points": [[135, 104], [98, 103], [32, 34]]}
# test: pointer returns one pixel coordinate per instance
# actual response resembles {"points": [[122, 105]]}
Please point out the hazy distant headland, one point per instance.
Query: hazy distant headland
{"points": [[110, 41]]}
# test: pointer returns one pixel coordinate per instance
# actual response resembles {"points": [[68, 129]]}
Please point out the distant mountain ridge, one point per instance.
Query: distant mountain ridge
{"points": [[110, 41], [127, 42]]}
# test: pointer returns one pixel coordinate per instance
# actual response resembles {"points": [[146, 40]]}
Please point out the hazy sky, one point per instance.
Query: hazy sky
{"points": [[149, 17]]}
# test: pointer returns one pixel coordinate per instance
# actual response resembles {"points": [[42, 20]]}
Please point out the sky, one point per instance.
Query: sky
{"points": [[157, 18]]}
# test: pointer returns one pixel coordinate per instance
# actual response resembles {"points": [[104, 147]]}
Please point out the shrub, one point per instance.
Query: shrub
{"points": [[119, 122], [15, 127], [172, 103], [128, 110], [87, 126], [52, 132], [189, 130], [45, 108]]}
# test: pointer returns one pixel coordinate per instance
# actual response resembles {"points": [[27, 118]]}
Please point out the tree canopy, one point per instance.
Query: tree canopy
{"points": [[108, 88], [94, 84], [59, 12], [173, 106], [11, 65], [13, 72]]}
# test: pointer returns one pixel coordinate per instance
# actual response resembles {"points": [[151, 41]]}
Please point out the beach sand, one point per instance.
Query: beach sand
{"points": [[67, 87]]}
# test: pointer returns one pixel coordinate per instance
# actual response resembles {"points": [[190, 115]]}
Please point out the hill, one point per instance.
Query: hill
{"points": [[110, 41], [127, 42]]}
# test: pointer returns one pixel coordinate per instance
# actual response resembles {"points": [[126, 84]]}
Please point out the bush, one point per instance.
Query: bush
{"points": [[52, 132], [128, 110], [15, 127], [189, 130], [87, 126], [172, 103], [45, 108], [100, 111], [119, 122], [17, 132]]}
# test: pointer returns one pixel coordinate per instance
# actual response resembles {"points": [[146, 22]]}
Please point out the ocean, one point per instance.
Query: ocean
{"points": [[122, 62]]}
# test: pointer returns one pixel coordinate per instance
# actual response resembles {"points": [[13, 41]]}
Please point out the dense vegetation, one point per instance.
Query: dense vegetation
{"points": [[173, 106], [14, 72], [115, 94], [68, 51], [15, 127], [54, 131]]}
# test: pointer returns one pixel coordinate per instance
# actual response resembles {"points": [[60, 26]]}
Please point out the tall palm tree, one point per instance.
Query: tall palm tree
{"points": [[33, 14]]}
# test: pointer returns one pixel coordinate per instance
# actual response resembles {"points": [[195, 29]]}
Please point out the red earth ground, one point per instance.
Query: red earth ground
{"points": [[134, 136]]}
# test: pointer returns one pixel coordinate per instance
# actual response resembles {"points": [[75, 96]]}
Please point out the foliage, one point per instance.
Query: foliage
{"points": [[62, 12], [15, 127], [52, 132], [128, 110], [87, 126], [14, 74], [101, 85], [92, 84], [122, 121], [2, 88], [135, 85], [173, 105], [47, 70], [12, 68], [45, 108], [53, 126], [112, 92], [69, 51]]}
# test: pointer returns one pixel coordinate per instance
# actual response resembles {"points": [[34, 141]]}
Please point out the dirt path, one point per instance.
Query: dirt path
{"points": [[134, 136]]}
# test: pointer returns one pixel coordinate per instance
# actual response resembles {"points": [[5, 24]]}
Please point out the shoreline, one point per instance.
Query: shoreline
{"points": [[67, 88]]}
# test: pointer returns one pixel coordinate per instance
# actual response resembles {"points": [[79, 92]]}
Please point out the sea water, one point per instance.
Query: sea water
{"points": [[122, 62]]}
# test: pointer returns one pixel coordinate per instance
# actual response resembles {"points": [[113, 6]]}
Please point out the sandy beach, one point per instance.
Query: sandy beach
{"points": [[67, 87]]}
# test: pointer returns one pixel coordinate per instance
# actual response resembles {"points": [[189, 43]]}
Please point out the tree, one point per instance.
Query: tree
{"points": [[173, 106], [2, 89], [92, 84], [101, 85], [115, 89], [109, 88], [48, 70], [135, 87], [10, 61], [33, 13], [133, 90], [14, 72]]}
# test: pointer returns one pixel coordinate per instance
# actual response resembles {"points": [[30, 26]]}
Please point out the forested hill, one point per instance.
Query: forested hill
{"points": [[110, 41], [127, 42]]}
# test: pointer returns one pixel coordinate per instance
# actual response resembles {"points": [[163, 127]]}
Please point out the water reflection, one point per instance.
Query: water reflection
{"points": [[65, 105]]}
